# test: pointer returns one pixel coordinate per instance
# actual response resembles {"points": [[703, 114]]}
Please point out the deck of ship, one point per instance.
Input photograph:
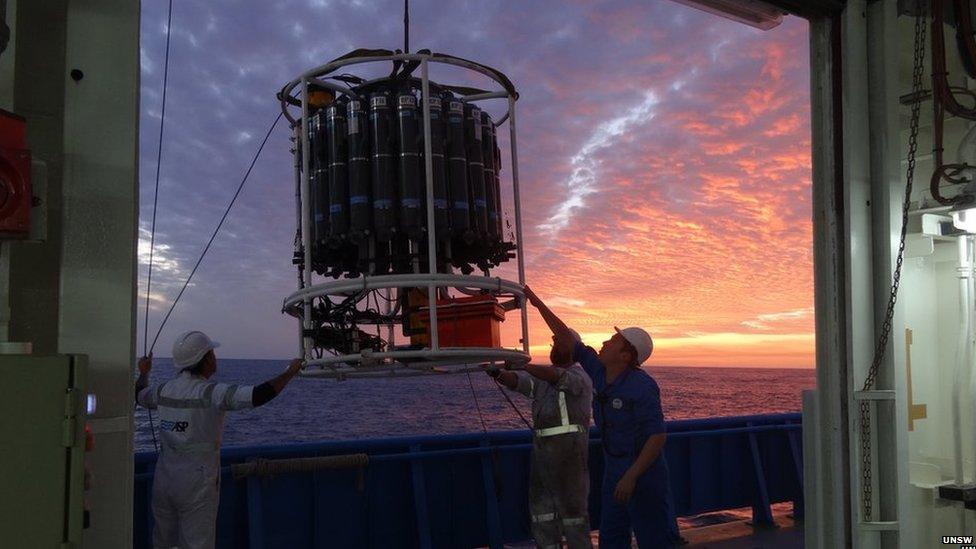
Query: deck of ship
{"points": [[734, 534], [788, 533]]}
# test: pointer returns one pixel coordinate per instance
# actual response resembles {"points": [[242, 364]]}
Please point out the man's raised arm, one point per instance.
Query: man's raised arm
{"points": [[263, 393], [564, 338]]}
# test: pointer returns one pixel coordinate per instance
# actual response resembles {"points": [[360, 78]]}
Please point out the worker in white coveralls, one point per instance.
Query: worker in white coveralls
{"points": [[562, 397], [186, 485]]}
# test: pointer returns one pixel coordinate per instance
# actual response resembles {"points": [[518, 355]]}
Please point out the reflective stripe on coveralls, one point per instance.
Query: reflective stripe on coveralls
{"points": [[566, 427], [187, 404], [545, 517]]}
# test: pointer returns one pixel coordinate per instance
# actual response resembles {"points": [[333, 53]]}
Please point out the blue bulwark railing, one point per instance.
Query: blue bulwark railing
{"points": [[470, 490]]}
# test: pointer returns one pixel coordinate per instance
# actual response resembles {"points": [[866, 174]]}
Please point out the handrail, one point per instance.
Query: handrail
{"points": [[406, 483], [595, 440], [674, 428]]}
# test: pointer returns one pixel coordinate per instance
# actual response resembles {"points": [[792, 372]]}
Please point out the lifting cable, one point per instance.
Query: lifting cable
{"points": [[148, 349], [512, 404], [216, 230], [552, 496], [484, 426], [152, 232], [159, 158], [213, 236]]}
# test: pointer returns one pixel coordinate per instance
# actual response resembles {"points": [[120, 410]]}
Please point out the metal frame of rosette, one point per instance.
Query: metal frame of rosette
{"points": [[434, 359]]}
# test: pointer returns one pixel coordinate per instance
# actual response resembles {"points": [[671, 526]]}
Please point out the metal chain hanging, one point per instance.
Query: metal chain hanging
{"points": [[879, 350]]}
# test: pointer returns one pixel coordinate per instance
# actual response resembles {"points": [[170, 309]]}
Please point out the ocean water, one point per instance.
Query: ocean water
{"points": [[312, 410]]}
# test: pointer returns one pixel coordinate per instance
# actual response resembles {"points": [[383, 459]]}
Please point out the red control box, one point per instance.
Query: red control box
{"points": [[466, 321], [15, 182]]}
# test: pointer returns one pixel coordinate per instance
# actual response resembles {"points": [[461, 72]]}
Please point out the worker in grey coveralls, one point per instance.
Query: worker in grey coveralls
{"points": [[562, 399]]}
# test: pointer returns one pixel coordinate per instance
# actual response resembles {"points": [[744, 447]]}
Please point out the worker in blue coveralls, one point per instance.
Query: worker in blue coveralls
{"points": [[627, 411]]}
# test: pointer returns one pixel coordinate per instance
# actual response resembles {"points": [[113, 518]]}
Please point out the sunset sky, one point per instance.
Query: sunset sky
{"points": [[664, 165]]}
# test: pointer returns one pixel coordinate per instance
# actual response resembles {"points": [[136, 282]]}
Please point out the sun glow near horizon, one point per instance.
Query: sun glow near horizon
{"points": [[694, 218], [719, 349]]}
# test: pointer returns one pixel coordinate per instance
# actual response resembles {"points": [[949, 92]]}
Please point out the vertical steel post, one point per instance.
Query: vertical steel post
{"points": [[298, 220], [255, 513], [431, 233], [518, 222], [306, 224], [421, 512], [389, 310], [762, 513], [493, 514]]}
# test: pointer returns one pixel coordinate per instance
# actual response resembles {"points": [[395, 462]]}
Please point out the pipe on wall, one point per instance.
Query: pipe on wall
{"points": [[964, 270], [970, 340]]}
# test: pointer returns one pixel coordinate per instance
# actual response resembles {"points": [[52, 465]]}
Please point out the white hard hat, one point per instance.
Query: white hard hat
{"points": [[190, 348], [640, 339]]}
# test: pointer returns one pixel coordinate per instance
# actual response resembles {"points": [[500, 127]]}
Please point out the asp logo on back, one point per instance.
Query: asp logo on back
{"points": [[174, 426]]}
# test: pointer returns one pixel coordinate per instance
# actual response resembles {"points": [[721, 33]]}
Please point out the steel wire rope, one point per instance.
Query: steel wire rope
{"points": [[216, 230], [152, 230], [484, 426], [454, 319], [512, 404], [528, 425]]}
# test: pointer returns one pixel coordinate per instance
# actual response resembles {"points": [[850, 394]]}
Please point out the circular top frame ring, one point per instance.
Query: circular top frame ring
{"points": [[508, 89]]}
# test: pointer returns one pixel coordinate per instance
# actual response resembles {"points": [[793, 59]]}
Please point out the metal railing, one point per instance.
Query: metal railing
{"points": [[470, 490]]}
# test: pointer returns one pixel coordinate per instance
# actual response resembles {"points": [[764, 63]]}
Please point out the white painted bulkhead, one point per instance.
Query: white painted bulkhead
{"points": [[859, 203], [74, 292]]}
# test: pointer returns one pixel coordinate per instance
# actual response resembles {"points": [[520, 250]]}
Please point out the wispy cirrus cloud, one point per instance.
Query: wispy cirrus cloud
{"points": [[768, 320], [585, 164]]}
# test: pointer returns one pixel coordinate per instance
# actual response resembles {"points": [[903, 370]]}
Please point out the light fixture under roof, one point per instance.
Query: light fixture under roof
{"points": [[751, 12], [965, 220], [964, 212]]}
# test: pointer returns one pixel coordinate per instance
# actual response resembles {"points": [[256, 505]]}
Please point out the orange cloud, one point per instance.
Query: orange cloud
{"points": [[694, 221]]}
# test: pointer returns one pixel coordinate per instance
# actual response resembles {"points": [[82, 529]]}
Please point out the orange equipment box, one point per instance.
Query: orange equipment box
{"points": [[465, 321]]}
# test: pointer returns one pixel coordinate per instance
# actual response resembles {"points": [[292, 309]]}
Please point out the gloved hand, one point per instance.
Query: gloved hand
{"points": [[295, 365], [145, 364]]}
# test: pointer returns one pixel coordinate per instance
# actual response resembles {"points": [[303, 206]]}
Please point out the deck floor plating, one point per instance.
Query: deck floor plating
{"points": [[732, 535]]}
